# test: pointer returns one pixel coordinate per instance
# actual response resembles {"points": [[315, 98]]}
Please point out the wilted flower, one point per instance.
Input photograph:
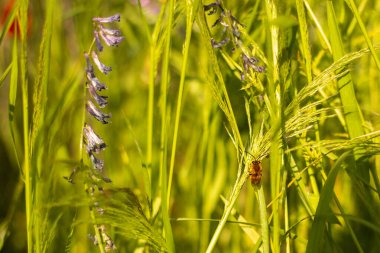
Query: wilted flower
{"points": [[101, 100], [229, 22], [219, 44], [94, 81], [250, 62], [110, 19], [98, 163], [98, 114], [111, 40], [107, 239], [114, 32], [93, 141], [103, 68], [99, 45], [94, 239]]}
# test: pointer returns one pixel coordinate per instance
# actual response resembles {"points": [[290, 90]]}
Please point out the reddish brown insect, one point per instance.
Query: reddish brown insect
{"points": [[255, 173]]}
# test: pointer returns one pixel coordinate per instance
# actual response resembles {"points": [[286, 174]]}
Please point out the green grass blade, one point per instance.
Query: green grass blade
{"points": [[9, 21], [322, 213], [5, 74], [276, 153], [263, 219], [304, 38], [319, 26], [347, 93], [40, 86], [164, 125], [190, 12], [345, 84], [355, 11], [13, 83]]}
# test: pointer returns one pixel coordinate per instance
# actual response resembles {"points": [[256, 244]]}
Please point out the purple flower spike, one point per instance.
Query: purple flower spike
{"points": [[95, 82], [111, 40], [93, 141], [100, 100], [103, 68], [99, 45], [98, 114], [110, 19]]}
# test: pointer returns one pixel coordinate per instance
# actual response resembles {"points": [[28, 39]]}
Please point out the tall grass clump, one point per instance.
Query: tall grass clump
{"points": [[214, 126]]}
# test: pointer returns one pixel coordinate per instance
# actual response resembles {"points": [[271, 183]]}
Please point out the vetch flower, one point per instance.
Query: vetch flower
{"points": [[89, 68], [110, 19], [94, 81], [250, 62], [98, 44], [98, 163], [219, 44], [103, 68], [98, 114], [100, 100], [114, 32], [111, 40], [107, 239], [93, 141]]}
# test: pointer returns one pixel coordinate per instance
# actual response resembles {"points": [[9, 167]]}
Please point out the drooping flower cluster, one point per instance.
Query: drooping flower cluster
{"points": [[92, 142], [232, 25], [111, 37]]}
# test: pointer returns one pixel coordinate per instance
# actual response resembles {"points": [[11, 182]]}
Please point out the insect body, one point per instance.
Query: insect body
{"points": [[255, 173]]}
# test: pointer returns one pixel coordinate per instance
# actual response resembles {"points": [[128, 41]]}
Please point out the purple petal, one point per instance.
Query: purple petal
{"points": [[114, 32], [97, 163], [99, 45], [95, 82], [93, 141], [111, 40], [100, 100], [110, 19], [98, 114], [103, 68], [89, 65], [219, 44]]}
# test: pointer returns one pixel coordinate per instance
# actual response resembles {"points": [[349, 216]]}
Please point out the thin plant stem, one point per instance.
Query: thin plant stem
{"points": [[276, 152], [263, 219], [355, 11], [319, 27], [27, 169], [164, 121], [186, 47], [149, 139]]}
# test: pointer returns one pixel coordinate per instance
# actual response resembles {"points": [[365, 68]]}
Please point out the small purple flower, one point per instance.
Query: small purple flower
{"points": [[110, 19], [99, 45], [114, 32], [219, 44], [111, 40], [98, 114], [103, 68], [93, 141], [95, 82], [250, 62], [100, 100], [98, 163], [89, 68]]}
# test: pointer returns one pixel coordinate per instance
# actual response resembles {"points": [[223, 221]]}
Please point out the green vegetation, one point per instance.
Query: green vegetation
{"points": [[237, 126]]}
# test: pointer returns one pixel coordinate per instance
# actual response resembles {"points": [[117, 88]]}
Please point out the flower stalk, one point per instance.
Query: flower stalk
{"points": [[92, 142]]}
